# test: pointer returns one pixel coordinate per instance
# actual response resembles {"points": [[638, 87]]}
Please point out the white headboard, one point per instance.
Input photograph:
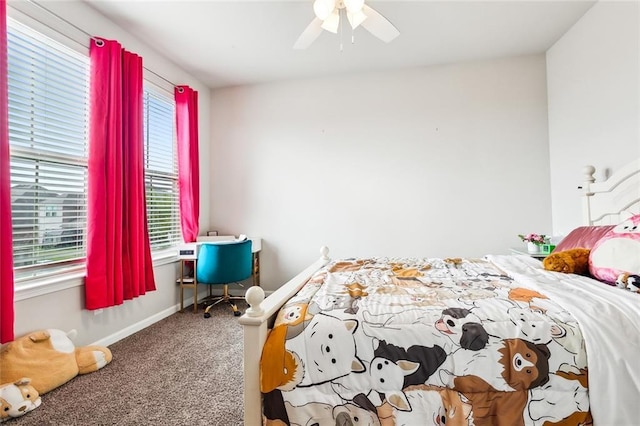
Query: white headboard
{"points": [[611, 201]]}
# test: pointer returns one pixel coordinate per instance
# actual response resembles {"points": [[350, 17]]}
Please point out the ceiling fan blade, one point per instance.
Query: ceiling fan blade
{"points": [[309, 35], [332, 22], [378, 25], [356, 18]]}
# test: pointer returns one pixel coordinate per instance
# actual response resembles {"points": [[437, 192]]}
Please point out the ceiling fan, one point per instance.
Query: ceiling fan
{"points": [[329, 12]]}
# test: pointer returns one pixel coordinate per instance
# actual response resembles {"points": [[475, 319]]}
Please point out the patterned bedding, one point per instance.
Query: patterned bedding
{"points": [[390, 341]]}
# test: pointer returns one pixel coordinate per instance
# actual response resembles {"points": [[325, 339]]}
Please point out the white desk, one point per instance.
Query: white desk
{"points": [[190, 253], [256, 242]]}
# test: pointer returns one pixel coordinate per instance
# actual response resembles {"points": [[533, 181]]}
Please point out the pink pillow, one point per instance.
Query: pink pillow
{"points": [[617, 252], [583, 237]]}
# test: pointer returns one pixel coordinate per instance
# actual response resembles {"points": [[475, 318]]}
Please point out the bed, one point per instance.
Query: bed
{"points": [[491, 341]]}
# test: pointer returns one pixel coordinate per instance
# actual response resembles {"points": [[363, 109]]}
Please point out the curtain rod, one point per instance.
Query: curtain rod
{"points": [[92, 37]]}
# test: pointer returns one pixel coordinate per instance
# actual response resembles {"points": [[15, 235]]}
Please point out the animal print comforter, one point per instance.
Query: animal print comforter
{"points": [[420, 342]]}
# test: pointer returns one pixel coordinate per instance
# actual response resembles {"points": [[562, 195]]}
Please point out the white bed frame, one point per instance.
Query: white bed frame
{"points": [[256, 321], [617, 197], [620, 193]]}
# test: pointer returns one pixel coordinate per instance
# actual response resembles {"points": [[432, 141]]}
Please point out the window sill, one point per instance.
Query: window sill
{"points": [[74, 277]]}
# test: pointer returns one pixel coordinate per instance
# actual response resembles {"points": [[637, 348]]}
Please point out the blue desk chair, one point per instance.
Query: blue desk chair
{"points": [[221, 263]]}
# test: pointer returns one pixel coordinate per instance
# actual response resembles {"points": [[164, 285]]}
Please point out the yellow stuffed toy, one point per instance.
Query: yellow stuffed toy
{"points": [[572, 261], [49, 358]]}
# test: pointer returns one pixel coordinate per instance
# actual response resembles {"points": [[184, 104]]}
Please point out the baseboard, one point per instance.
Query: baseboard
{"points": [[133, 328], [140, 325]]}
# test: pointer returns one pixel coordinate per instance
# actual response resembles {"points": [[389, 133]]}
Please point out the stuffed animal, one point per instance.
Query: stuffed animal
{"points": [[572, 261], [49, 358], [17, 399], [617, 252], [629, 282]]}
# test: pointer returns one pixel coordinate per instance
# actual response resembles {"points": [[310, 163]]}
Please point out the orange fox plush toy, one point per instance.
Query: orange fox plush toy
{"points": [[572, 261]]}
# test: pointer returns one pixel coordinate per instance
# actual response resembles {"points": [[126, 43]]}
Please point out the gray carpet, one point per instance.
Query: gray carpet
{"points": [[183, 370]]}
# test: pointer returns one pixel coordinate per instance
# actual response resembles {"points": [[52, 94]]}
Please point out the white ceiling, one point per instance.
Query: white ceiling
{"points": [[227, 43]]}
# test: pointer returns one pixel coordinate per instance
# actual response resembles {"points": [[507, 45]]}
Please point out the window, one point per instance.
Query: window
{"points": [[48, 130], [161, 169], [48, 116]]}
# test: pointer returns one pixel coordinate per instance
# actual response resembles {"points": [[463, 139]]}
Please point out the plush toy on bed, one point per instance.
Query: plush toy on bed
{"points": [[49, 358], [629, 282], [17, 399], [617, 252], [572, 261]]}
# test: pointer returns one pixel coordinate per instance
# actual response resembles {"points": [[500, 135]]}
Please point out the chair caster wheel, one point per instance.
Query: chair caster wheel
{"points": [[207, 315], [237, 313]]}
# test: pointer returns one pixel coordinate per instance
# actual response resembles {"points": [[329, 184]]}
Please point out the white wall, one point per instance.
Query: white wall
{"points": [[64, 309], [440, 161], [593, 75]]}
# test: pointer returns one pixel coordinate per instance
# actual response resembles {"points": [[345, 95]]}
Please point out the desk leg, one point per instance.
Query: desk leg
{"points": [[195, 288], [181, 286]]}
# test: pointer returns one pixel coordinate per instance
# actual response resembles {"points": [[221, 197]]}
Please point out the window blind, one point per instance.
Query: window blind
{"points": [[161, 169], [48, 116]]}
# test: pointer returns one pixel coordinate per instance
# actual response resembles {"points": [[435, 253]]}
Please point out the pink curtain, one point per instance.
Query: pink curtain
{"points": [[188, 169], [119, 265], [6, 240]]}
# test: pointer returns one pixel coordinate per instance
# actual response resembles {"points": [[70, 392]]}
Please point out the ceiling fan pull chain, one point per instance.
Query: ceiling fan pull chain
{"points": [[340, 24], [340, 11]]}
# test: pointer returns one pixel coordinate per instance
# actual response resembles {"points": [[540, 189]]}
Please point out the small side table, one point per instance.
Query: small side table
{"points": [[188, 253], [519, 250], [188, 282]]}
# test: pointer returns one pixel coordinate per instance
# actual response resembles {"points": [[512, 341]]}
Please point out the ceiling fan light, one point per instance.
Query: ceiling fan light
{"points": [[353, 6], [355, 19], [331, 23], [323, 8]]}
